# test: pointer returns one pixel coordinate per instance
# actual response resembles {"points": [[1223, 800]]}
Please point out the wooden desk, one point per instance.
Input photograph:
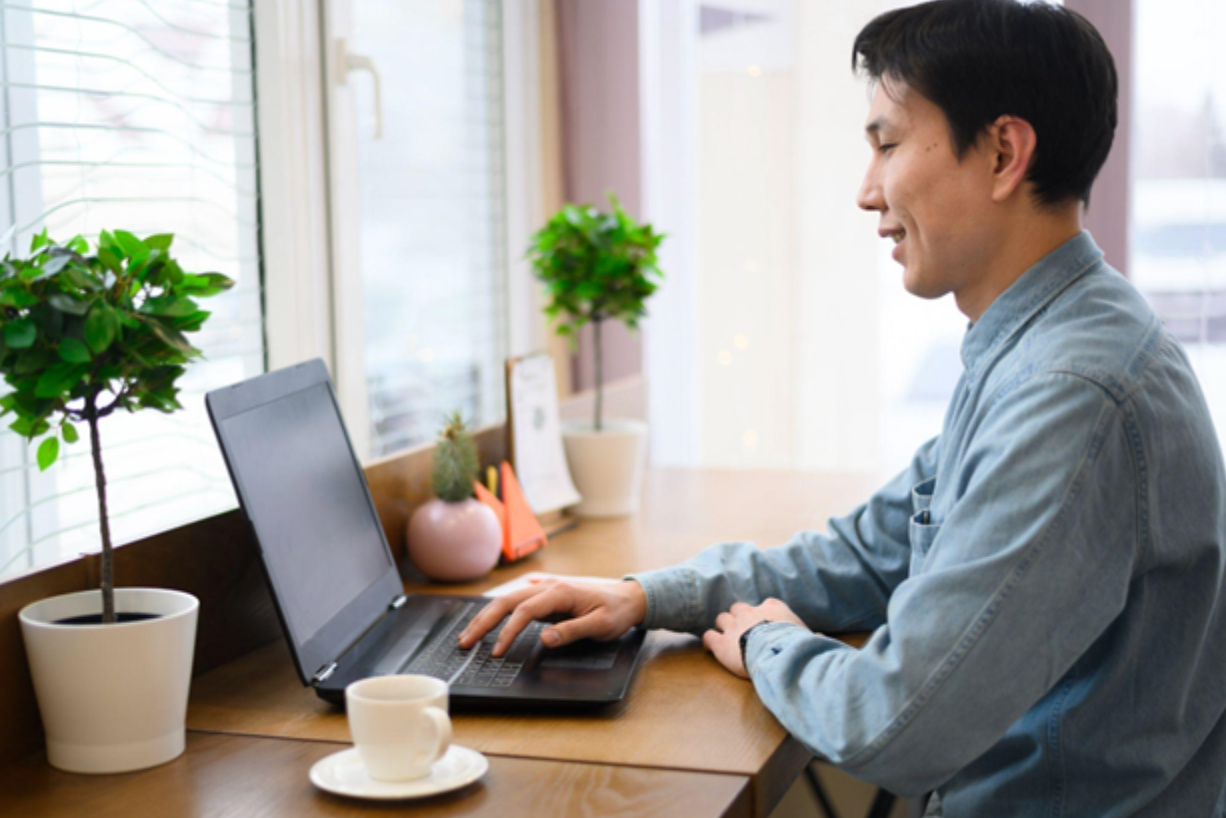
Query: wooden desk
{"points": [[683, 712], [689, 739], [232, 775]]}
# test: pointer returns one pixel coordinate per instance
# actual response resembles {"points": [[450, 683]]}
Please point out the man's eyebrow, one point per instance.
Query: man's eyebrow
{"points": [[876, 126]]}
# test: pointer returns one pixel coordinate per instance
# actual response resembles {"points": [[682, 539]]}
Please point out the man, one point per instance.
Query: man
{"points": [[1044, 582]]}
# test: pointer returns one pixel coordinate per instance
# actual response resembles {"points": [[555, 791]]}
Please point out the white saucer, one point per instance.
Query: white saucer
{"points": [[344, 773]]}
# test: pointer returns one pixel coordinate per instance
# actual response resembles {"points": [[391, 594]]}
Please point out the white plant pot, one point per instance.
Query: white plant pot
{"points": [[113, 698], [606, 466]]}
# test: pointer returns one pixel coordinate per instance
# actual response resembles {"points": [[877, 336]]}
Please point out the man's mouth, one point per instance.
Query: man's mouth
{"points": [[896, 235]]}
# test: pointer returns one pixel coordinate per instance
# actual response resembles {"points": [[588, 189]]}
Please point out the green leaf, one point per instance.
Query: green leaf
{"points": [[81, 279], [161, 241], [30, 427], [66, 303], [78, 245], [169, 305], [39, 240], [205, 284], [129, 244], [69, 432], [20, 334], [18, 298], [171, 337], [110, 259], [59, 378], [218, 281], [139, 260], [53, 265], [74, 351], [100, 328], [193, 322], [31, 361], [48, 451]]}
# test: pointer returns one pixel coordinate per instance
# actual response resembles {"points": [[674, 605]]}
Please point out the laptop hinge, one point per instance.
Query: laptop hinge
{"points": [[398, 602], [323, 673]]}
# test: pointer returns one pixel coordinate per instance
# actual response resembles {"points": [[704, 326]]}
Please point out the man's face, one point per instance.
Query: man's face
{"points": [[937, 210]]}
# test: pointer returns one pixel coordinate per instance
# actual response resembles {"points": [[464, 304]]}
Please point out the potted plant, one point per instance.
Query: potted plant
{"points": [[83, 335], [598, 266], [454, 537]]}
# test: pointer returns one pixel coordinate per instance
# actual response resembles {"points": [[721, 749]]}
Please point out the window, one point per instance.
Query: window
{"points": [[138, 115], [430, 200], [1178, 231]]}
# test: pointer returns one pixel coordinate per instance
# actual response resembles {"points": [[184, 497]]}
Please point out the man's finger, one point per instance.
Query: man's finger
{"points": [[592, 626], [495, 612], [552, 600], [709, 640]]}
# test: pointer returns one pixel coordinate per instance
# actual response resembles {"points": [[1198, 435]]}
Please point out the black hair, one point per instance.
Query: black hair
{"points": [[978, 60]]}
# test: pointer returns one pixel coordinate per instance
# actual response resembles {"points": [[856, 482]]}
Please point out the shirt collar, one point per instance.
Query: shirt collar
{"points": [[1036, 287]]}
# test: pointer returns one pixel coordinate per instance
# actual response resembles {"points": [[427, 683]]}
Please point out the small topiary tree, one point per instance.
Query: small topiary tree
{"points": [[82, 335], [595, 266]]}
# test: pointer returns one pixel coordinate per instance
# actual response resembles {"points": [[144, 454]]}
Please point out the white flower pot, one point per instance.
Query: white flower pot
{"points": [[113, 698], [606, 466]]}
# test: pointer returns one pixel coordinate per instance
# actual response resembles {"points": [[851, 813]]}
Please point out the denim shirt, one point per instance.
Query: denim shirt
{"points": [[1043, 583]]}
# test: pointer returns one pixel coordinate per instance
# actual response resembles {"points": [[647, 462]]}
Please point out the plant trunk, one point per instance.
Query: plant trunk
{"points": [[599, 373], [108, 556]]}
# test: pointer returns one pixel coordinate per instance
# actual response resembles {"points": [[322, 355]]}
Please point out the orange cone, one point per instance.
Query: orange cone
{"points": [[521, 531]]}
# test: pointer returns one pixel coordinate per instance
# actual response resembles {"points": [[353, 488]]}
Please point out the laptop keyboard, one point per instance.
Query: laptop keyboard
{"points": [[475, 667]]}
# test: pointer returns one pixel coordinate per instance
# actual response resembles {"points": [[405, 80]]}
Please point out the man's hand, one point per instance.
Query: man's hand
{"points": [[724, 640], [601, 612]]}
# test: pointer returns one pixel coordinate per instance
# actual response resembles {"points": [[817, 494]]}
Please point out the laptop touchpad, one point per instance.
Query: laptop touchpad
{"points": [[584, 655]]}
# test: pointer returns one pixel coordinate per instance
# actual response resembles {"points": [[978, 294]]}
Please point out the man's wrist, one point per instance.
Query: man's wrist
{"points": [[745, 641], [638, 599]]}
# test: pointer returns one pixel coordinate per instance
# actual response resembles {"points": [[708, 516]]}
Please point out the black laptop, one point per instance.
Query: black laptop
{"points": [[337, 590]]}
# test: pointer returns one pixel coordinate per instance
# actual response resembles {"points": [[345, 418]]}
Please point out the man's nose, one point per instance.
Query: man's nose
{"points": [[869, 196]]}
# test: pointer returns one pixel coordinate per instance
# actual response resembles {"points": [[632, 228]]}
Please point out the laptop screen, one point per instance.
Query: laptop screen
{"points": [[306, 498]]}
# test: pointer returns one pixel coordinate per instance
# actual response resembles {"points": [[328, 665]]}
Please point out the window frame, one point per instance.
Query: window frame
{"points": [[313, 302]]}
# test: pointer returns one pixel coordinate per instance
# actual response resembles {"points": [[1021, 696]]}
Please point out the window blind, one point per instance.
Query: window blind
{"points": [[432, 217], [136, 115]]}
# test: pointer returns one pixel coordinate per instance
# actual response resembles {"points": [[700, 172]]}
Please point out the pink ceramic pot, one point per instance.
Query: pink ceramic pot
{"points": [[454, 541]]}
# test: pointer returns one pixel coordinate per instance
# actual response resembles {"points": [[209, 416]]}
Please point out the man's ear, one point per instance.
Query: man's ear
{"points": [[1012, 142]]}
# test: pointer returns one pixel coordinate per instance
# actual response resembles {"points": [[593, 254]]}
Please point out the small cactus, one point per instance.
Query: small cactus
{"points": [[455, 461]]}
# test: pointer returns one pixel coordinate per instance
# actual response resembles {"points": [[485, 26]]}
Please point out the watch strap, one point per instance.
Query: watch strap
{"points": [[745, 641]]}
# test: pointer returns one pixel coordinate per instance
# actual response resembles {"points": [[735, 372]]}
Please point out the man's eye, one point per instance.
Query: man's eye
{"points": [[887, 148]]}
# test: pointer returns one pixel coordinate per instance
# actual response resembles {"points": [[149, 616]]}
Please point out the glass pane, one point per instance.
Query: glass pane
{"points": [[1178, 231], [137, 116], [432, 223]]}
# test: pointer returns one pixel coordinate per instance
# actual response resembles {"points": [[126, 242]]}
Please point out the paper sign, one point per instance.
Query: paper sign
{"points": [[536, 434]]}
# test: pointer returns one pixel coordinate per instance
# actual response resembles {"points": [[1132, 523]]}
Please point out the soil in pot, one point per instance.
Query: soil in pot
{"points": [[96, 619]]}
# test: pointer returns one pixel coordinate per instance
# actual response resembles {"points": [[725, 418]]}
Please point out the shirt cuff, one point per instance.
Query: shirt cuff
{"points": [[672, 597], [765, 637]]}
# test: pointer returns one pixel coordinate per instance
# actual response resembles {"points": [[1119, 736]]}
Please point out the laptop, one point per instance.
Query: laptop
{"points": [[337, 591]]}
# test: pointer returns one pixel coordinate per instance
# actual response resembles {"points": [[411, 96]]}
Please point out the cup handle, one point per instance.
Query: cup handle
{"points": [[442, 725]]}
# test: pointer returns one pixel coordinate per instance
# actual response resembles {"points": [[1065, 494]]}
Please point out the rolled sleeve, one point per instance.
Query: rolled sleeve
{"points": [[838, 581], [1028, 569]]}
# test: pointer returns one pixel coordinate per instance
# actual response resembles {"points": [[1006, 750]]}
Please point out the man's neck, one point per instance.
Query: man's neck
{"points": [[1020, 249]]}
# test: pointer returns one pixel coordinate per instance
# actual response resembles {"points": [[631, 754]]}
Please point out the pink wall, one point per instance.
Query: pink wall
{"points": [[599, 67]]}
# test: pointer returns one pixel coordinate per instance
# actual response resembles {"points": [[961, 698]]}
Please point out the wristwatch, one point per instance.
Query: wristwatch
{"points": [[745, 641]]}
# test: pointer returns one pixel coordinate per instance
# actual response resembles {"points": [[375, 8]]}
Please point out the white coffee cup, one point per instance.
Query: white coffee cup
{"points": [[399, 724]]}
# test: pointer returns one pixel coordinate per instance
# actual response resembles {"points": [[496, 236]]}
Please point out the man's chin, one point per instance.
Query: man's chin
{"points": [[914, 283]]}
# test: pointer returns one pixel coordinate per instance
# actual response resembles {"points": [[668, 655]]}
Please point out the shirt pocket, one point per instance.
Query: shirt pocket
{"points": [[922, 530], [921, 495]]}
